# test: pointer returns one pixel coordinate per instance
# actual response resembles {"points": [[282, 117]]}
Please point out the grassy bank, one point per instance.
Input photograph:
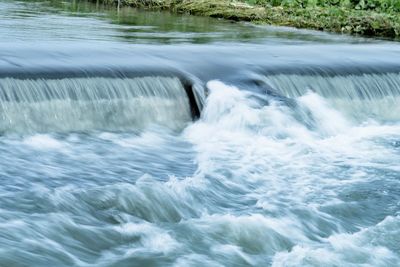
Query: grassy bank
{"points": [[379, 18]]}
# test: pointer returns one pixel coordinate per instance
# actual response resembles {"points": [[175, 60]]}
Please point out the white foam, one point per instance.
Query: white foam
{"points": [[329, 120], [153, 239], [367, 247], [284, 166], [45, 142], [146, 138]]}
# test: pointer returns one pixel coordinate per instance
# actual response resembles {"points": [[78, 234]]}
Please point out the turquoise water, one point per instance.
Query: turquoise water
{"points": [[294, 160]]}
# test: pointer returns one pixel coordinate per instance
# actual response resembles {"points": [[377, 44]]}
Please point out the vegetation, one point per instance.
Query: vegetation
{"points": [[376, 5], [364, 17], [379, 18]]}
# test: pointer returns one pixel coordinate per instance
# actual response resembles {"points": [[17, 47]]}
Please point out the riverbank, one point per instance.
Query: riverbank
{"points": [[339, 19]]}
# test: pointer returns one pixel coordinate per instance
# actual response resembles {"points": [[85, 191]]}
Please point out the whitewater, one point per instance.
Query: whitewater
{"points": [[147, 143]]}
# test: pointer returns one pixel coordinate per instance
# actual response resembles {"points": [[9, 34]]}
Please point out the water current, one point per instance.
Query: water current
{"points": [[141, 138]]}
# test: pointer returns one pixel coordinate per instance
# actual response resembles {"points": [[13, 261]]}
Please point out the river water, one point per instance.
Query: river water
{"points": [[139, 138]]}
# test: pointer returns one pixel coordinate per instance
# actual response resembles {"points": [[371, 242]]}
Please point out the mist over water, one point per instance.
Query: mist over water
{"points": [[103, 163]]}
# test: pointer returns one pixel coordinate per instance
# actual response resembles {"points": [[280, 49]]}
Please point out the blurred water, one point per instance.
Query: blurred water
{"points": [[245, 185], [112, 171], [35, 106]]}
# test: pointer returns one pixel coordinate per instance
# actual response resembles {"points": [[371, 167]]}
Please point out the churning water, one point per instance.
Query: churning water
{"points": [[294, 160]]}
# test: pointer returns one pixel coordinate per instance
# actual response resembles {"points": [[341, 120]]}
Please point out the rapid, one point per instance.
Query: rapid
{"points": [[171, 140]]}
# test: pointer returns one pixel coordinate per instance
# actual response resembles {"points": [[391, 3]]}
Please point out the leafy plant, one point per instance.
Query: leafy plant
{"points": [[376, 5]]}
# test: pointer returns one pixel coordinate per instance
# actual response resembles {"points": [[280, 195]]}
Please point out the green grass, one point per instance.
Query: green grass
{"points": [[378, 18], [375, 5]]}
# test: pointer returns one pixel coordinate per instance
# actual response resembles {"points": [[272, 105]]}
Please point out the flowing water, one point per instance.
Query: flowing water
{"points": [[138, 138]]}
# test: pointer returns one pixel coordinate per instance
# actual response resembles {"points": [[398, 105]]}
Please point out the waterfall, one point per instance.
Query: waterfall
{"points": [[82, 104], [361, 96]]}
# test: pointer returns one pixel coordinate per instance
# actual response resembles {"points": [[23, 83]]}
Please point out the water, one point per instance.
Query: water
{"points": [[294, 160], [91, 103]]}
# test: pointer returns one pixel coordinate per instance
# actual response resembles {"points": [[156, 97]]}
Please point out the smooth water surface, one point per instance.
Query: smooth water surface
{"points": [[294, 161], [80, 21]]}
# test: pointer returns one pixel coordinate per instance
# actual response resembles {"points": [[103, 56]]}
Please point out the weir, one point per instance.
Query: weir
{"points": [[119, 100], [92, 103], [361, 96], [113, 83]]}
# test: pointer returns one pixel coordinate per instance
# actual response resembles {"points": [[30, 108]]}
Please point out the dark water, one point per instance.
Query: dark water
{"points": [[294, 160]]}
